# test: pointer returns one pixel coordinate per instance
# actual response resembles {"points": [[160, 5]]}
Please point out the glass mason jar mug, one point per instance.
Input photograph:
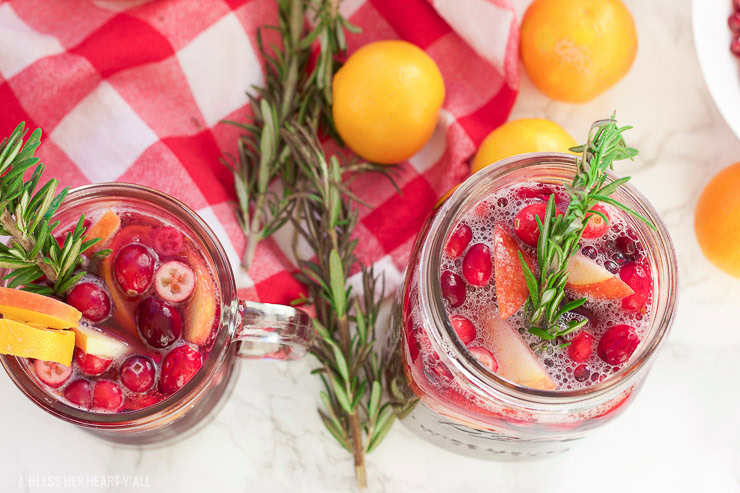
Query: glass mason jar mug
{"points": [[240, 328], [456, 402]]}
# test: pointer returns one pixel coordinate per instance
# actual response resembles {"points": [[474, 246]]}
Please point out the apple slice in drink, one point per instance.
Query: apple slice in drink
{"points": [[589, 279], [97, 343], [516, 362], [511, 288], [200, 313]]}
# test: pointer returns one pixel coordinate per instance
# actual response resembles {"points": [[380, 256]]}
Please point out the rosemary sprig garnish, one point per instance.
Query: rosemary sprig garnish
{"points": [[293, 93], [355, 412], [560, 234], [25, 215]]}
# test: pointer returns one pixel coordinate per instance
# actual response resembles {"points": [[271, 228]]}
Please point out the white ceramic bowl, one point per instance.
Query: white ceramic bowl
{"points": [[720, 67]]}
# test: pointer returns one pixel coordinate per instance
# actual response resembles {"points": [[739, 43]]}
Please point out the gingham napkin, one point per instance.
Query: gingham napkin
{"points": [[134, 91]]}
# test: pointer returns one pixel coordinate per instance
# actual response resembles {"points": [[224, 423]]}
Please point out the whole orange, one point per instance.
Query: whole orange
{"points": [[717, 220], [386, 100], [520, 136], [573, 50]]}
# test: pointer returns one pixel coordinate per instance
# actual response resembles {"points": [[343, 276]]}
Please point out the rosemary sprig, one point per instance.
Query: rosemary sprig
{"points": [[560, 234], [25, 215], [355, 412], [293, 92]]}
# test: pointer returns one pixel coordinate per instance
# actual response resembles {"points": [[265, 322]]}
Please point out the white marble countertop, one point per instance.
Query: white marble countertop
{"points": [[681, 434]]}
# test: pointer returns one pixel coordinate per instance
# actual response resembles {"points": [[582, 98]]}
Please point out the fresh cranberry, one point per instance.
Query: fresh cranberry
{"points": [[580, 346], [458, 241], [137, 373], [167, 241], [179, 367], [525, 223], [582, 372], [52, 374], [160, 324], [477, 266], [453, 288], [107, 396], [140, 401], [617, 344], [464, 328], [735, 46], [79, 392], [734, 22], [596, 226], [589, 252], [91, 299], [485, 357], [134, 269], [91, 365], [636, 276]]}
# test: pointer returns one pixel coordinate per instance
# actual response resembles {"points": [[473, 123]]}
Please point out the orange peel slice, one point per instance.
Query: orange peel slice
{"points": [[26, 307], [26, 341]]}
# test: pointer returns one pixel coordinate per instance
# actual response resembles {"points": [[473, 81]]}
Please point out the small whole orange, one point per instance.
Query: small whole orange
{"points": [[386, 100], [717, 220], [574, 50]]}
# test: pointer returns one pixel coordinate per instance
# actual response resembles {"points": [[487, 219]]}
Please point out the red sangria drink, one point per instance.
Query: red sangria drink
{"points": [[160, 322], [479, 365]]}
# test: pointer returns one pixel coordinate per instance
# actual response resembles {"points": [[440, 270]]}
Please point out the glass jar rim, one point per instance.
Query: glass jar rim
{"points": [[199, 383], [433, 308]]}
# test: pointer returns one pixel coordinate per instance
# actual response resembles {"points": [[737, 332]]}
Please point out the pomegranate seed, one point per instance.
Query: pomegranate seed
{"points": [[589, 252], [477, 266], [458, 241], [485, 357], [596, 226], [167, 241], [134, 268], [637, 277], [79, 393], [580, 346], [734, 22], [581, 373], [617, 344], [91, 299], [160, 324], [137, 373], [52, 374], [502, 202], [464, 328], [179, 367], [525, 224], [107, 396], [453, 288], [91, 365]]}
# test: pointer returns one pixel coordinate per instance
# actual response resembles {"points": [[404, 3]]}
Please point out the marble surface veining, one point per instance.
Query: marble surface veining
{"points": [[681, 434]]}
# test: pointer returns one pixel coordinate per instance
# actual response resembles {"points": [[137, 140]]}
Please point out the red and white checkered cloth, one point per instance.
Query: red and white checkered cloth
{"points": [[134, 91]]}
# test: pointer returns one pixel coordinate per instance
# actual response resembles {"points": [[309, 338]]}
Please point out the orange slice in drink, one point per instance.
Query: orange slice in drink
{"points": [[27, 341], [25, 307], [104, 228]]}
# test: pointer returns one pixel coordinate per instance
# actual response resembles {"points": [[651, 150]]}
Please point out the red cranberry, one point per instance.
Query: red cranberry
{"points": [[580, 346], [91, 365], [734, 22], [464, 328], [137, 373], [611, 266], [581, 373], [160, 324], [477, 266], [107, 396], [617, 344], [179, 367], [627, 246], [79, 392], [458, 241], [525, 223], [167, 241], [91, 299], [735, 47], [453, 288], [636, 276], [596, 226], [485, 357], [51, 373], [134, 269], [589, 252]]}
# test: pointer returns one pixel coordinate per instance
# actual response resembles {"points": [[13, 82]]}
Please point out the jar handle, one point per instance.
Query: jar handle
{"points": [[273, 331]]}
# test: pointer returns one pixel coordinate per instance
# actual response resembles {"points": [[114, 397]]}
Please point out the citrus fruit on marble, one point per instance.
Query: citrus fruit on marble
{"points": [[520, 136], [386, 99], [717, 220], [28, 341], [574, 50]]}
